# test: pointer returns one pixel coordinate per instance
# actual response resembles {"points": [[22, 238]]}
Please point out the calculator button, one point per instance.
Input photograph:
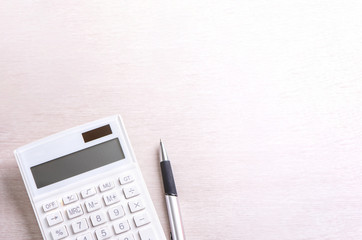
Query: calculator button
{"points": [[127, 178], [70, 198], [122, 226], [74, 211], [80, 226], [130, 191], [50, 206], [141, 219], [111, 198], [126, 236], [147, 234], [59, 233], [98, 219], [103, 233], [88, 192], [106, 186], [93, 204], [116, 212], [54, 218], [87, 236], [135, 205]]}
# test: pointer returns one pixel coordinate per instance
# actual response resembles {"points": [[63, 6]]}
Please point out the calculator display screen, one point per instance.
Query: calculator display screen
{"points": [[76, 163]]}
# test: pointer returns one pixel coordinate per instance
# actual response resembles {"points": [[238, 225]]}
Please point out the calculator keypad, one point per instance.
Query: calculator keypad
{"points": [[106, 186], [135, 205], [103, 233], [93, 204], [126, 236], [121, 226], [80, 225], [141, 219], [50, 206], [130, 191], [116, 212], [147, 234], [59, 232], [111, 198], [74, 211], [54, 218], [70, 198], [88, 192], [85, 218], [126, 178], [87, 236]]}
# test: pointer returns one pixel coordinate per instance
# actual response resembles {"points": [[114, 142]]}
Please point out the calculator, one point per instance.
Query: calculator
{"points": [[85, 184]]}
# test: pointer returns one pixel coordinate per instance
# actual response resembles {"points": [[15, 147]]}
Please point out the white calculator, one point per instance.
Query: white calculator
{"points": [[85, 184]]}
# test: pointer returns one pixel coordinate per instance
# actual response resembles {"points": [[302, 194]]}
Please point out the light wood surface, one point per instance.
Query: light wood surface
{"points": [[258, 103]]}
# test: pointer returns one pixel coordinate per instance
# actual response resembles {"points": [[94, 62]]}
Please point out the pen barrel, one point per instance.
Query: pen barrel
{"points": [[174, 216], [167, 177]]}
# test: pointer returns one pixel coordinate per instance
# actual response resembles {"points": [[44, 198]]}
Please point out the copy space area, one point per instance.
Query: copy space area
{"points": [[258, 103]]}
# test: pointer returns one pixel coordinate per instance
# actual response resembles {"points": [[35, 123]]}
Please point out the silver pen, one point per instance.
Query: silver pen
{"points": [[173, 208]]}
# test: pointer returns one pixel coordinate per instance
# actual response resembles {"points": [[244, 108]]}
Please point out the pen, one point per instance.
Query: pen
{"points": [[173, 209]]}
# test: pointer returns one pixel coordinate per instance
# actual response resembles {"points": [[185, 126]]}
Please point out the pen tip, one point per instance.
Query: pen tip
{"points": [[163, 153]]}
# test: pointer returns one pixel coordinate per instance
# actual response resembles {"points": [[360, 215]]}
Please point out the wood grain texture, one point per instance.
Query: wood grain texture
{"points": [[258, 103]]}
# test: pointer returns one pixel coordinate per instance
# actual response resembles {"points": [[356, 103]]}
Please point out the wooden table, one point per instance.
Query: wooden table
{"points": [[258, 103]]}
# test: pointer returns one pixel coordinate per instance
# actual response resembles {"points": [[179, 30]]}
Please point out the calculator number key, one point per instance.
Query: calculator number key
{"points": [[106, 186], [70, 198], [98, 219], [80, 226], [121, 227], [59, 233], [116, 212], [74, 211], [54, 218], [87, 236], [88, 192], [127, 178], [93, 204], [126, 236], [50, 206], [103, 233], [130, 191], [135, 205]]}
